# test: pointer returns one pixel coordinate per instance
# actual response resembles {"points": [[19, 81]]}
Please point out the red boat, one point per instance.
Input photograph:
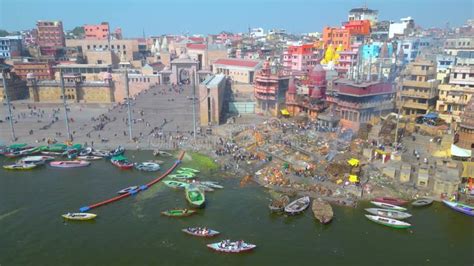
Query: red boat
{"points": [[392, 201], [122, 164]]}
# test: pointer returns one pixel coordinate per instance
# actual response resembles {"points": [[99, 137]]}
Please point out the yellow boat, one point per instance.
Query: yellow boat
{"points": [[20, 166], [79, 216]]}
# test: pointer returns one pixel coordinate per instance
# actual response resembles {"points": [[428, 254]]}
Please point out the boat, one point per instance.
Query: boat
{"points": [[127, 190], [200, 231], [20, 166], [121, 162], [297, 206], [118, 151], [463, 208], [322, 211], [388, 206], [422, 202], [195, 196], [57, 147], [278, 205], [178, 212], [51, 153], [186, 173], [157, 153], [71, 153], [69, 164], [79, 216], [227, 246], [204, 187], [212, 184], [181, 176], [392, 201], [187, 169], [86, 151], [175, 184], [89, 157], [388, 221], [388, 213], [35, 160], [100, 153], [147, 166], [12, 154]]}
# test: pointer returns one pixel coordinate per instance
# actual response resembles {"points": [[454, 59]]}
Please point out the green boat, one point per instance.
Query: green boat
{"points": [[388, 221], [181, 176], [175, 184], [56, 147], [190, 170], [195, 196], [17, 146], [185, 173], [178, 212]]}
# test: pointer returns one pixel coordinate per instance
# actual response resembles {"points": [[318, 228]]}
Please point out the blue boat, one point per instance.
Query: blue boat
{"points": [[463, 208]]}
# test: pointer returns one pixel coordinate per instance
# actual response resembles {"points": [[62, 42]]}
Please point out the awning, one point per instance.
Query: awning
{"points": [[431, 116], [353, 162], [284, 112], [460, 152], [353, 179]]}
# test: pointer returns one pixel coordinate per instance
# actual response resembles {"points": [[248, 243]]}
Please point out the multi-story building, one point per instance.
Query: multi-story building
{"points": [[418, 88], [443, 66], [363, 13], [413, 46], [455, 45], [380, 31], [298, 59], [400, 28], [10, 46], [356, 103], [211, 94], [127, 50], [358, 27], [239, 70], [40, 70], [16, 87], [458, 91], [270, 89], [50, 36], [465, 135], [97, 32], [336, 37]]}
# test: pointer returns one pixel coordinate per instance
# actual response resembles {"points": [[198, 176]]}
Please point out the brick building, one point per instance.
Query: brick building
{"points": [[41, 70], [50, 36], [270, 89], [97, 32]]}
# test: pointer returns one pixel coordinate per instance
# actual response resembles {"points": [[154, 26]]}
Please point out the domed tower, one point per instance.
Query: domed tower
{"points": [[317, 81], [266, 69], [466, 128]]}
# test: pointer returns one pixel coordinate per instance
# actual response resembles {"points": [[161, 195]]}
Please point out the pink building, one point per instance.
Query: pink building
{"points": [[50, 36], [299, 59], [97, 32]]}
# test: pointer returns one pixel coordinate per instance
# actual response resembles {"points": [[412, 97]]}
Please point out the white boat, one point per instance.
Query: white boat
{"points": [[389, 213], [79, 216], [298, 206], [227, 246], [38, 160], [211, 184], [388, 206], [89, 158], [388, 221], [147, 166]]}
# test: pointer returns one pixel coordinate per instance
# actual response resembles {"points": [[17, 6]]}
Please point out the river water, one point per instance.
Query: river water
{"points": [[132, 231]]}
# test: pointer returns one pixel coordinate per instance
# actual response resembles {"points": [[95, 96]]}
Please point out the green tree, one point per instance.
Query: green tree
{"points": [[3, 33], [78, 31]]}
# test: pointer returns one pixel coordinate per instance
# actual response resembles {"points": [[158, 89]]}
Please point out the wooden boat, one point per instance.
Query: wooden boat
{"points": [[51, 153], [71, 153], [227, 246], [180, 176], [422, 202], [187, 169], [297, 206], [86, 151], [392, 201], [212, 184], [89, 157], [201, 232], [20, 166], [128, 189], [322, 211], [388, 221], [463, 208], [195, 196], [204, 187], [389, 213], [388, 206], [121, 162], [12, 154], [38, 160], [278, 205], [100, 153], [69, 164], [79, 216], [186, 173], [175, 184], [118, 151], [147, 166], [157, 153], [178, 212]]}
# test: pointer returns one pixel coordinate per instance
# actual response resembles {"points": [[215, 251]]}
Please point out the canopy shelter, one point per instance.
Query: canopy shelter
{"points": [[353, 162], [353, 179], [460, 152]]}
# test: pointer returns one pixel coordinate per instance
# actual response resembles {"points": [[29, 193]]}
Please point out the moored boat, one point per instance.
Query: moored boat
{"points": [[322, 211], [195, 196], [147, 166], [187, 169], [392, 201], [89, 157], [121, 162], [118, 151], [227, 246], [178, 212], [388, 206], [297, 206], [181, 176], [388, 221], [127, 190], [175, 184], [51, 153], [422, 202], [85, 151], [388, 213], [460, 207], [100, 153], [212, 184], [79, 216], [200, 231], [185, 173], [20, 166], [278, 205], [69, 164], [35, 160]]}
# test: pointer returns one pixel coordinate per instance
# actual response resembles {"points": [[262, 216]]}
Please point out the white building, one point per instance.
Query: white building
{"points": [[364, 13], [400, 27], [10, 46], [257, 33]]}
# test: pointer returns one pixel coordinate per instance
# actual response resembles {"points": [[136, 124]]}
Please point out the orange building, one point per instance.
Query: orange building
{"points": [[358, 27], [97, 32], [336, 36]]}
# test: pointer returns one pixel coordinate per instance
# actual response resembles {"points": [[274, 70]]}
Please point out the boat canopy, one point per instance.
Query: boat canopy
{"points": [[119, 158], [17, 145]]}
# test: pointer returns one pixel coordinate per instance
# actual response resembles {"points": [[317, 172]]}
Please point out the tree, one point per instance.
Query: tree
{"points": [[4, 33], [78, 31]]}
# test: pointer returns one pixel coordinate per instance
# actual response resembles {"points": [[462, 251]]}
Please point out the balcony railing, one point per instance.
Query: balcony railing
{"points": [[418, 84], [419, 94], [415, 105]]}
